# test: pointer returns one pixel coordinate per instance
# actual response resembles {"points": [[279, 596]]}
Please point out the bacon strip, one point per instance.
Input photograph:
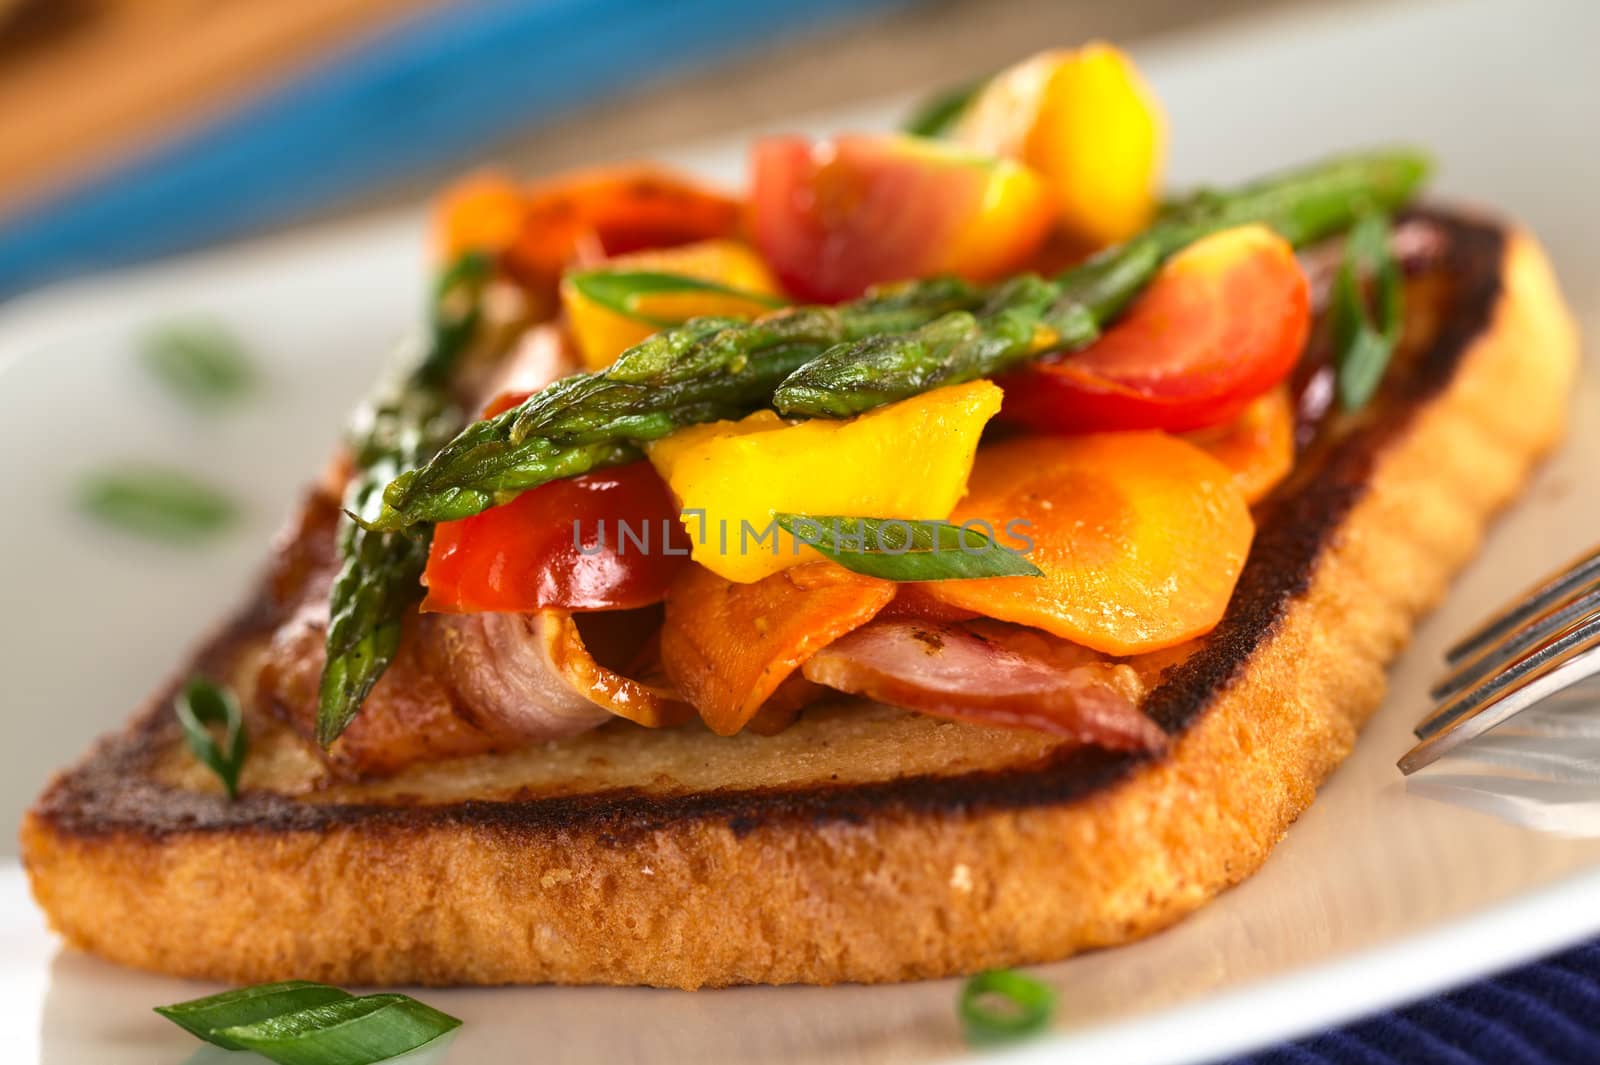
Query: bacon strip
{"points": [[410, 716], [544, 354], [560, 651], [504, 670], [462, 684], [993, 675]]}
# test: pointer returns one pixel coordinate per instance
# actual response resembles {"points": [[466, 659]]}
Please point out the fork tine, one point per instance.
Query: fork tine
{"points": [[1557, 718], [1572, 658], [1540, 660], [1584, 694], [1530, 603], [1496, 655], [1575, 758]]}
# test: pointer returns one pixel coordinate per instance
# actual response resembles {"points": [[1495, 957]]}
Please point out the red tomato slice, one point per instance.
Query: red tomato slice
{"points": [[610, 211], [504, 402], [522, 556], [1223, 321], [833, 219]]}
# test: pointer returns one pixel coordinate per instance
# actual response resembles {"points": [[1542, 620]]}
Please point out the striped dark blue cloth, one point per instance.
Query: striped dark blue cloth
{"points": [[1547, 1013]]}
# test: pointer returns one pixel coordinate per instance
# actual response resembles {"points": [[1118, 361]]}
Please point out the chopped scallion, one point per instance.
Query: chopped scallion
{"points": [[200, 705], [900, 550], [1003, 1005]]}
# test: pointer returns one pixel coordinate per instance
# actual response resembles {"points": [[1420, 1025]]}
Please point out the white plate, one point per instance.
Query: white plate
{"points": [[1376, 896]]}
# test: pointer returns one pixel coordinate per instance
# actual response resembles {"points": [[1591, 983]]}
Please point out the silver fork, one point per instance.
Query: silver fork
{"points": [[1545, 641]]}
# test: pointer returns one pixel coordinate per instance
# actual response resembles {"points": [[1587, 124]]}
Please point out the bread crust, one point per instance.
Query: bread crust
{"points": [[925, 875]]}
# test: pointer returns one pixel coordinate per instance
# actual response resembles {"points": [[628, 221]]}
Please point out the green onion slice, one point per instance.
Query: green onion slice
{"points": [[200, 705], [622, 291], [1365, 337], [900, 550], [201, 363], [1003, 1005], [298, 1022], [207, 1017], [937, 116], [155, 503], [350, 1031]]}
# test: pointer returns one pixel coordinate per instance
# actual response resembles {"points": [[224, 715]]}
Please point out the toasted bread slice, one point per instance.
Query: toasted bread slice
{"points": [[863, 843]]}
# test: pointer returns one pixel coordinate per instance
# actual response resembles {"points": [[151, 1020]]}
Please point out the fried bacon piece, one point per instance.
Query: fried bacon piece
{"points": [[461, 684], [994, 675]]}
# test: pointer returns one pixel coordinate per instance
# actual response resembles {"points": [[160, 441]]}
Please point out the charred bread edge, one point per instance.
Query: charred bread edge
{"points": [[915, 877]]}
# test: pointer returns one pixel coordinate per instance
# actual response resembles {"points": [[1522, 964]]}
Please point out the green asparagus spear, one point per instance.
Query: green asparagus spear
{"points": [[706, 369], [1027, 316], [379, 579], [837, 361]]}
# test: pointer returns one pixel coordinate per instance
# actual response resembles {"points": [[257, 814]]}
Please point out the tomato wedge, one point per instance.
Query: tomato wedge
{"points": [[587, 215], [600, 213], [504, 402], [834, 218], [1222, 322], [524, 555]]}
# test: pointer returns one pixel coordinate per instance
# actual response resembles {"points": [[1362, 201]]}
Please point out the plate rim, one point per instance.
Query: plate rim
{"points": [[1453, 953]]}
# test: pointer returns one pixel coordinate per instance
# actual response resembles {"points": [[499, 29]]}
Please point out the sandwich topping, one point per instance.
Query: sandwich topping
{"points": [[968, 421]]}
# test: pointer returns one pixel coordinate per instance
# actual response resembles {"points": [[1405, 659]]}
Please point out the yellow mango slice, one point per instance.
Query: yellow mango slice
{"points": [[1087, 121], [905, 460], [602, 334]]}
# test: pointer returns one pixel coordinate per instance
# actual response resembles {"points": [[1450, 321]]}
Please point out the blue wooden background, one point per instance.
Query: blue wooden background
{"points": [[431, 90]]}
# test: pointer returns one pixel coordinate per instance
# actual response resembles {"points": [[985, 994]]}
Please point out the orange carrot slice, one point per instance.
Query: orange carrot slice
{"points": [[1258, 445], [727, 647], [1141, 537], [480, 212]]}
